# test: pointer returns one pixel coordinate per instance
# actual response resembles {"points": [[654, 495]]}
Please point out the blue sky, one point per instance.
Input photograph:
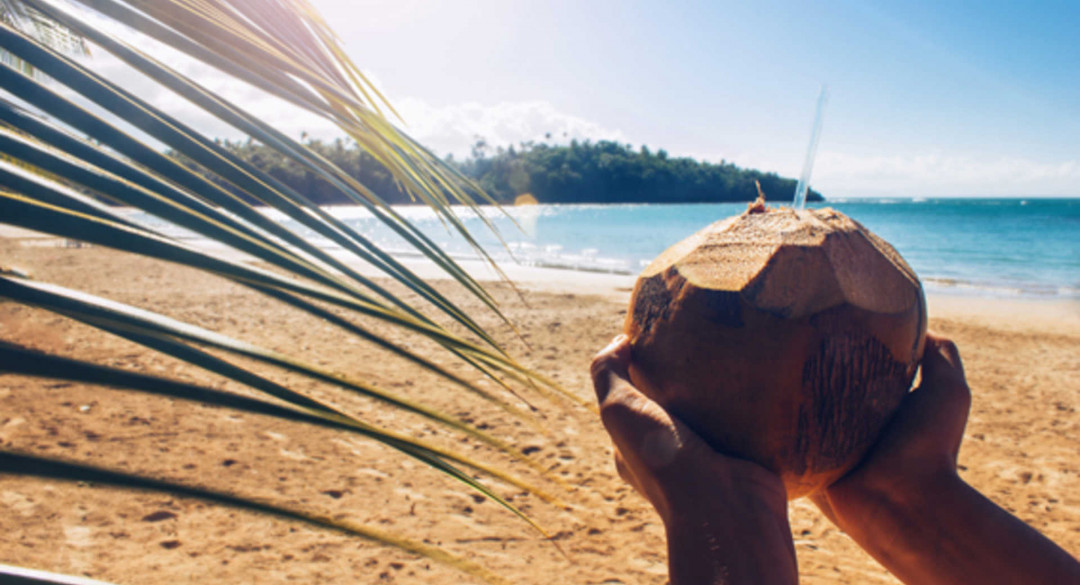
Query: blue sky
{"points": [[926, 98]]}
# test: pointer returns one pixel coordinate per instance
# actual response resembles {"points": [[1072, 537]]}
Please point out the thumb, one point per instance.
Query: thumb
{"points": [[643, 432], [611, 362], [935, 413], [941, 361], [943, 382]]}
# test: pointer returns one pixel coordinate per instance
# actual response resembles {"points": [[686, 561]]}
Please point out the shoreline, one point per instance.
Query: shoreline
{"points": [[1057, 315], [950, 299]]}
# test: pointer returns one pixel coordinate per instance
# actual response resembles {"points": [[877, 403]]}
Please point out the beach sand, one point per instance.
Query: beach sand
{"points": [[1022, 360]]}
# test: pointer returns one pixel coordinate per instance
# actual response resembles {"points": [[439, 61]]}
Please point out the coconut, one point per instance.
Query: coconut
{"points": [[785, 337]]}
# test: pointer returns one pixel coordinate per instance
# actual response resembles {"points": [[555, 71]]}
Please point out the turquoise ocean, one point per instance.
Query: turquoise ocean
{"points": [[998, 247]]}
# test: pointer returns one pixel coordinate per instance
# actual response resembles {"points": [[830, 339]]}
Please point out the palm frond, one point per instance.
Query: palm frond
{"points": [[213, 157], [19, 15], [34, 214], [22, 576], [210, 222], [239, 39], [19, 360], [64, 169], [38, 466]]}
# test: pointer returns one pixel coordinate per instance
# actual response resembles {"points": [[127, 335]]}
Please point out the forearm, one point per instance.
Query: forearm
{"points": [[949, 533], [738, 543]]}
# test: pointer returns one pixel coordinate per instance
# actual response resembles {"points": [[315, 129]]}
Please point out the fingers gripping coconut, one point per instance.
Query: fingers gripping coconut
{"points": [[784, 337]]}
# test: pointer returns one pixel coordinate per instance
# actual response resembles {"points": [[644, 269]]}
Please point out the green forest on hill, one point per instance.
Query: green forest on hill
{"points": [[580, 172]]}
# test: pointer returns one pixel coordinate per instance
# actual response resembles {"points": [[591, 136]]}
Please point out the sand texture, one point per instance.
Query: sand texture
{"points": [[1021, 447]]}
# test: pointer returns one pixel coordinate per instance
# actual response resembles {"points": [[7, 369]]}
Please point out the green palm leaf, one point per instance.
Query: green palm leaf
{"points": [[71, 114], [117, 316], [209, 222], [58, 162], [15, 359], [32, 214], [36, 465], [23, 17], [216, 159], [20, 576]]}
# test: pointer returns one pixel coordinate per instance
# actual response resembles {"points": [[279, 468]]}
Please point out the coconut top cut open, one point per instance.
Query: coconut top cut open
{"points": [[794, 262]]}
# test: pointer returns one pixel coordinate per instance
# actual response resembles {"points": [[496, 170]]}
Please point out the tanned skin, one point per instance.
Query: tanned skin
{"points": [[908, 507], [726, 519]]}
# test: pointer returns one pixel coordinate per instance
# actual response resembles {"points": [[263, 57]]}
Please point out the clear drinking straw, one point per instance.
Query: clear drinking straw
{"points": [[811, 152]]}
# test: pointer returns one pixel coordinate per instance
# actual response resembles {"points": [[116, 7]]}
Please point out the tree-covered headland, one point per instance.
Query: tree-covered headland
{"points": [[580, 172]]}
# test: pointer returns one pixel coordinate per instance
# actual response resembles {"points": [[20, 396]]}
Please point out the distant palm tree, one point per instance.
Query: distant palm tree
{"points": [[59, 163]]}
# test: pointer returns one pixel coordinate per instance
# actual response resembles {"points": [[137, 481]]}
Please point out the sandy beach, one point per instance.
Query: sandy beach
{"points": [[1022, 360]]}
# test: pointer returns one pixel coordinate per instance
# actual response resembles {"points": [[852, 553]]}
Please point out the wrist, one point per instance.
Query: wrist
{"points": [[863, 495], [725, 508], [883, 514], [738, 488], [737, 536]]}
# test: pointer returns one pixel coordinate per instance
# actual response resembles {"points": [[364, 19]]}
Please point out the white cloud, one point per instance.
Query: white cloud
{"points": [[454, 128], [920, 174], [445, 129], [931, 174], [285, 117]]}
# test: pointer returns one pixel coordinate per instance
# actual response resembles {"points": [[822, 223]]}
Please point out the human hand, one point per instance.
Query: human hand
{"points": [[665, 461], [917, 451], [726, 518], [908, 507]]}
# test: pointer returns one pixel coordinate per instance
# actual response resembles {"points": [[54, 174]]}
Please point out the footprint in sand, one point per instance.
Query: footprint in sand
{"points": [[8, 429], [18, 503], [77, 536]]}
